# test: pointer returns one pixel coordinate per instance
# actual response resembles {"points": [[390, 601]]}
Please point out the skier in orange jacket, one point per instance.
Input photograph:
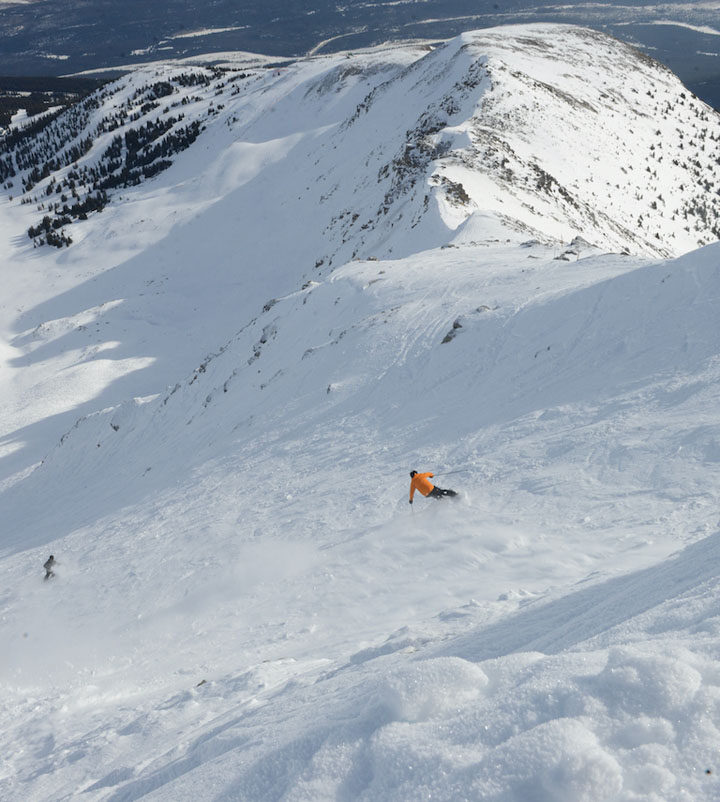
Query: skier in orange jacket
{"points": [[421, 482]]}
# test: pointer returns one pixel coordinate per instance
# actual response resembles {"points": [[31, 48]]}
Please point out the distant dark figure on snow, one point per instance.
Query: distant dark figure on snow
{"points": [[48, 566], [421, 482]]}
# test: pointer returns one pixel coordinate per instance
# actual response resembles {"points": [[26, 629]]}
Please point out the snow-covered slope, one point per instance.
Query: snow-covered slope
{"points": [[378, 154], [559, 129], [368, 263]]}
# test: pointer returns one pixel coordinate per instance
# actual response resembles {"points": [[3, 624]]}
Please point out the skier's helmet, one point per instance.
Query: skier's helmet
{"points": [[412, 473]]}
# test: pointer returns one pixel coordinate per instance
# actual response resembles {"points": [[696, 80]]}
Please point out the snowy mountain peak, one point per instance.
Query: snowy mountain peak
{"points": [[558, 131]]}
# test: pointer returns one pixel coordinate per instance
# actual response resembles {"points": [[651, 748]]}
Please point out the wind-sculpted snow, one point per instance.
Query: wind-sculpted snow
{"points": [[213, 397]]}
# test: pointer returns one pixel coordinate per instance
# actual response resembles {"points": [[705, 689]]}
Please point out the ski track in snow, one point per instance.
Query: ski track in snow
{"points": [[213, 401]]}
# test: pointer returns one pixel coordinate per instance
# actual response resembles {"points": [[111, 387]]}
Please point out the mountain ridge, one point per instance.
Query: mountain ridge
{"points": [[477, 143]]}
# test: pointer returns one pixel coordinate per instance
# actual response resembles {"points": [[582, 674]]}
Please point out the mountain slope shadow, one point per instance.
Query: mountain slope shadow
{"points": [[168, 306]]}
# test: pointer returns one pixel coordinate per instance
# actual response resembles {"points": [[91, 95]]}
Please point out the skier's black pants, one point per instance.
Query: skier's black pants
{"points": [[438, 492]]}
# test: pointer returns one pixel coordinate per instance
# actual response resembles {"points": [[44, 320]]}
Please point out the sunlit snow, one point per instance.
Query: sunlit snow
{"points": [[370, 263]]}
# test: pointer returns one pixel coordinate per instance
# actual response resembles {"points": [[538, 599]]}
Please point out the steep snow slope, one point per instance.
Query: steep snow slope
{"points": [[259, 538], [246, 606]]}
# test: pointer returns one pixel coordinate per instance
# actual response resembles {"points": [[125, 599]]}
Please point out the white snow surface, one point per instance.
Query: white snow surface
{"points": [[213, 398]]}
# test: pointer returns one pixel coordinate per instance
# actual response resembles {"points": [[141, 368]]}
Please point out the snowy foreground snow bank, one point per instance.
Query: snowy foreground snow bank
{"points": [[211, 428]]}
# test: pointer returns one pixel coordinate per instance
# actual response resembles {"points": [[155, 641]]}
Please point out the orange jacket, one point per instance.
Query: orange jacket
{"points": [[421, 483]]}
